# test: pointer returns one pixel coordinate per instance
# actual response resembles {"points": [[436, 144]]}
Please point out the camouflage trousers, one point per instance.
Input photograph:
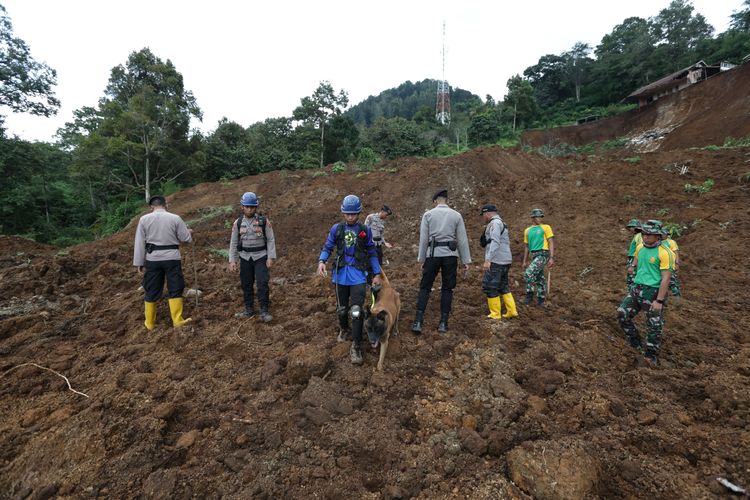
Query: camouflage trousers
{"points": [[674, 285], [640, 299], [534, 274], [629, 277]]}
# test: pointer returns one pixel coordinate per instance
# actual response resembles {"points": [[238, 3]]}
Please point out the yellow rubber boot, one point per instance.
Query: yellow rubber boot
{"points": [[494, 305], [510, 306], [150, 315], [175, 309]]}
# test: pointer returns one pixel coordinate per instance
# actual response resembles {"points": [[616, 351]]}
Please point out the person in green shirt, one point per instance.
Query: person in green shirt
{"points": [[674, 282], [634, 227], [653, 264], [539, 241]]}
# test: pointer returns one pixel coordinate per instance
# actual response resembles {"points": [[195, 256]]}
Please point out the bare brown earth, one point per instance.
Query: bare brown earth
{"points": [[552, 404], [702, 114]]}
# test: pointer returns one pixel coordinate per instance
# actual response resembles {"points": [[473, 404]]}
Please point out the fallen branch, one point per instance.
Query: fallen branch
{"points": [[49, 370], [326, 375], [242, 420]]}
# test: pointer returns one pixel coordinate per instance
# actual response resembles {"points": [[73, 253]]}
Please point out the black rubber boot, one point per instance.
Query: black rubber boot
{"points": [[443, 325], [529, 298], [416, 327], [540, 301]]}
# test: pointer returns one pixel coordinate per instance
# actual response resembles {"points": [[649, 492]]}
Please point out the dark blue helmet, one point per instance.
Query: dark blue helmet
{"points": [[249, 200], [351, 205]]}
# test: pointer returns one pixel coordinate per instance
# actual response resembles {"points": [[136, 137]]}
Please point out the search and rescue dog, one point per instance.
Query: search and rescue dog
{"points": [[383, 319]]}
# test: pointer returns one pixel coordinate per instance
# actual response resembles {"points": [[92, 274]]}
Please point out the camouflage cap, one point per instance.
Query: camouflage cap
{"points": [[536, 212], [634, 223]]}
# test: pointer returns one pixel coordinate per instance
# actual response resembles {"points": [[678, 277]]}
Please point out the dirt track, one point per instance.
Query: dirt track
{"points": [[552, 404]]}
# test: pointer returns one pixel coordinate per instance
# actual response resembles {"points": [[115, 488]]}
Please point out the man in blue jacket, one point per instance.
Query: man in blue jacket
{"points": [[355, 252]]}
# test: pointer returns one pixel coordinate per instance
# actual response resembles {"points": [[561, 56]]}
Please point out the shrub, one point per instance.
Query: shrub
{"points": [[209, 213], [614, 143], [338, 167], [366, 159]]}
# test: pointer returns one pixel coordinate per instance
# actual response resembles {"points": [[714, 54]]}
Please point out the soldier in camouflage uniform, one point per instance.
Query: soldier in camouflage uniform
{"points": [[539, 240], [634, 226], [653, 265], [674, 282]]}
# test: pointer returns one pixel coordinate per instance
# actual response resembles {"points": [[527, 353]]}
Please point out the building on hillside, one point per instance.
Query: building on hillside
{"points": [[676, 82]]}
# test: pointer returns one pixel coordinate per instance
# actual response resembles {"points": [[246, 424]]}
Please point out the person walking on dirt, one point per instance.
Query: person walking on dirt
{"points": [[156, 255], [674, 283], [653, 264], [254, 244], [442, 240], [634, 226], [540, 245], [355, 253], [497, 261], [376, 222]]}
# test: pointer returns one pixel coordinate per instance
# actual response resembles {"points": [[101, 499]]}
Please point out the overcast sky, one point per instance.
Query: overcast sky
{"points": [[249, 61]]}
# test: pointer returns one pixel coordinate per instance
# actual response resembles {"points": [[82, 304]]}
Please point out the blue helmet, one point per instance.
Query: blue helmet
{"points": [[249, 200], [351, 205]]}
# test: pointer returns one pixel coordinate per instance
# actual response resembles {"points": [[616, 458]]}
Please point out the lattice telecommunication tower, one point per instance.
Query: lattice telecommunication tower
{"points": [[443, 105]]}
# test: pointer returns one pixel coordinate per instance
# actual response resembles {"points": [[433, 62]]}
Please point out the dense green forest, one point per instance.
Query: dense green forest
{"points": [[137, 139]]}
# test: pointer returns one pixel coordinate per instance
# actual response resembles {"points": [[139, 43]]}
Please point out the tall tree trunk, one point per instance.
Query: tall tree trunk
{"points": [[515, 111], [148, 180], [322, 132], [578, 92]]}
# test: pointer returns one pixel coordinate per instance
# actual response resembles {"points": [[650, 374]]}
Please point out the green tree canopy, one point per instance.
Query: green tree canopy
{"points": [[320, 107], [25, 84]]}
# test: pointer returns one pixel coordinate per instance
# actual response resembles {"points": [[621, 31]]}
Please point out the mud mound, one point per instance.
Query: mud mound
{"points": [[552, 404], [703, 114]]}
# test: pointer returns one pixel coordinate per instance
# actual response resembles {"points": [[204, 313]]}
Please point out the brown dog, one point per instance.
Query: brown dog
{"points": [[384, 317]]}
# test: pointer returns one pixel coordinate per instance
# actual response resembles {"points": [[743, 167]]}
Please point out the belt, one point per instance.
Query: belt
{"points": [[150, 247], [537, 252], [253, 249], [442, 243], [377, 238]]}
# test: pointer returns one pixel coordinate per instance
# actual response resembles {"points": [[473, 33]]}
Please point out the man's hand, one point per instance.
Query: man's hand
{"points": [[551, 262], [486, 265], [655, 306], [524, 264], [388, 245], [269, 263], [140, 269], [232, 267], [376, 280], [321, 269]]}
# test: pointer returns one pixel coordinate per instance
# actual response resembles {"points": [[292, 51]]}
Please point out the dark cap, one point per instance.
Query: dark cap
{"points": [[387, 210], [158, 200], [489, 207], [443, 193]]}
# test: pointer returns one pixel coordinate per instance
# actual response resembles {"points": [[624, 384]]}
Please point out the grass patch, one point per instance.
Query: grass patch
{"points": [[632, 159], [662, 212], [209, 213], [221, 252], [319, 173], [338, 167], [615, 143], [700, 188]]}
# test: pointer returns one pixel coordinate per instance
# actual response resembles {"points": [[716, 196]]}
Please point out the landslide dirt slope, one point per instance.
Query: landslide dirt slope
{"points": [[702, 114], [551, 404]]}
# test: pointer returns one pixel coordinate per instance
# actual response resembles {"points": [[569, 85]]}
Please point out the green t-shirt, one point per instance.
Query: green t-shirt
{"points": [[536, 237], [651, 262]]}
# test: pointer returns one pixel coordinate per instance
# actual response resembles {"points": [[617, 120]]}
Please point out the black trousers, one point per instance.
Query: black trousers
{"points": [[495, 281], [448, 268], [348, 296], [256, 271], [153, 279]]}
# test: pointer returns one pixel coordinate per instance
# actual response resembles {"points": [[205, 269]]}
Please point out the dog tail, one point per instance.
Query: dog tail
{"points": [[384, 277]]}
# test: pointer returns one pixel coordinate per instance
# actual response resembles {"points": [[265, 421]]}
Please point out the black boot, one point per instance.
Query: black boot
{"points": [[540, 301], [265, 316], [529, 298], [416, 327], [443, 325]]}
